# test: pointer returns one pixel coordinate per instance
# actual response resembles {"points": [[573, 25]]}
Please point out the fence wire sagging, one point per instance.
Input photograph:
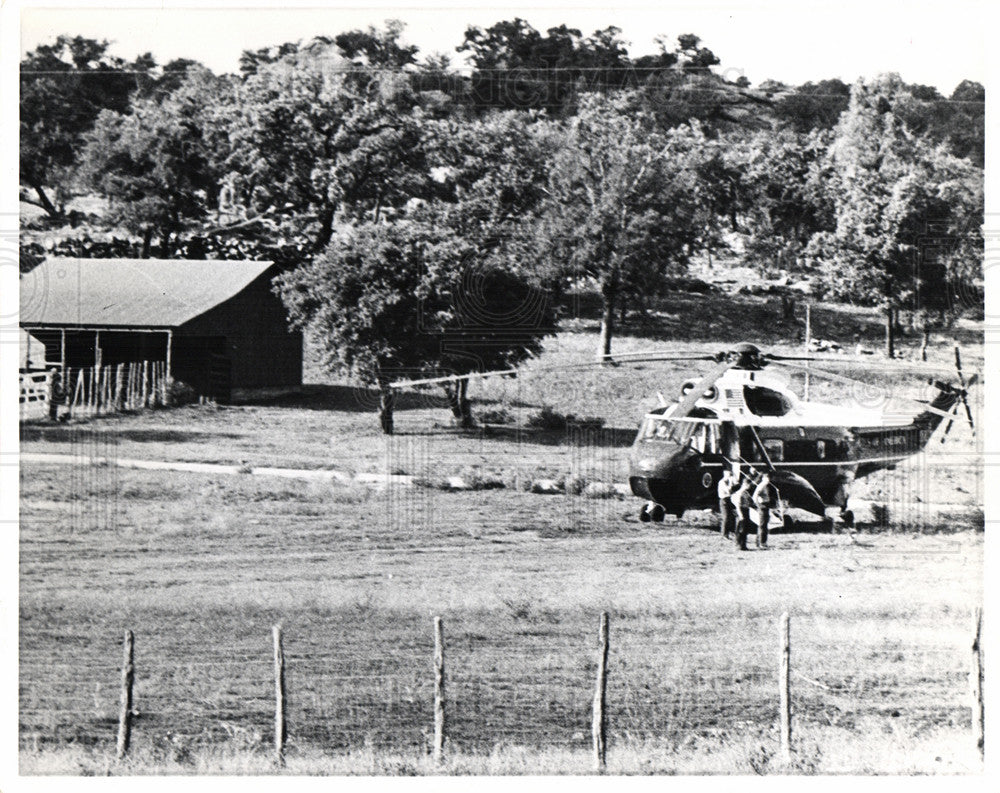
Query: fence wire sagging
{"points": [[366, 683]]}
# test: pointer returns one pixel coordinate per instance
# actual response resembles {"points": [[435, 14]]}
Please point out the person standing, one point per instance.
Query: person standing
{"points": [[765, 496], [727, 512], [742, 500], [55, 395]]}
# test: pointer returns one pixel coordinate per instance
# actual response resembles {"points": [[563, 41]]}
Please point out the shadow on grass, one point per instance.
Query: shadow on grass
{"points": [[77, 434], [359, 399], [693, 317], [605, 437]]}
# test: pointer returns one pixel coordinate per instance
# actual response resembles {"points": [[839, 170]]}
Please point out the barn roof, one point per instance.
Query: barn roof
{"points": [[130, 292]]}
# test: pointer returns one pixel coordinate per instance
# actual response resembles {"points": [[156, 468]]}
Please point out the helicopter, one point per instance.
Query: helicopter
{"points": [[742, 416]]}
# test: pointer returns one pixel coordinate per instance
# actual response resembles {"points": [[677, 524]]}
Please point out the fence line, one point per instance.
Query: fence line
{"points": [[93, 390], [239, 702]]}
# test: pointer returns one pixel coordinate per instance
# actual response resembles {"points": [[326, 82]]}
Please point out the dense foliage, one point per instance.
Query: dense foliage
{"points": [[381, 178]]}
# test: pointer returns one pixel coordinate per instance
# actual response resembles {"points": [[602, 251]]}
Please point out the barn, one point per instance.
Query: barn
{"points": [[217, 325]]}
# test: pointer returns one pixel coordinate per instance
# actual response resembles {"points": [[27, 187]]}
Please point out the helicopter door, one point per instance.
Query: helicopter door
{"points": [[729, 441]]}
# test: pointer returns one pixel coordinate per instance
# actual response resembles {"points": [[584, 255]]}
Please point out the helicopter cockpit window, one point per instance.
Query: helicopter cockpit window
{"points": [[663, 429], [766, 401]]}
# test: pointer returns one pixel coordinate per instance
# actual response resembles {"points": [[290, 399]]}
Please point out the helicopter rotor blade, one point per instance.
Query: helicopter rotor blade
{"points": [[871, 363], [951, 420], [626, 358], [852, 381]]}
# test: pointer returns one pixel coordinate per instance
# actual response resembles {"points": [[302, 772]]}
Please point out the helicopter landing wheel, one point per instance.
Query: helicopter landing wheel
{"points": [[787, 524], [848, 517], [644, 512], [657, 513]]}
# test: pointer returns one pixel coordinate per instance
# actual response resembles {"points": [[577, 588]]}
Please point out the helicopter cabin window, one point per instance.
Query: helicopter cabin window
{"points": [[766, 401], [775, 448]]}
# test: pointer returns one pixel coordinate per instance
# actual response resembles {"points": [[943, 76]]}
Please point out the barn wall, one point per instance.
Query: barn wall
{"points": [[263, 353]]}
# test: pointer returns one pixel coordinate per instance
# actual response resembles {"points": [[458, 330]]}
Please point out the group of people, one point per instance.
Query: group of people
{"points": [[737, 494]]}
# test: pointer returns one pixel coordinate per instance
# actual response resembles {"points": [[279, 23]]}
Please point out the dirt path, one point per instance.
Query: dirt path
{"points": [[218, 468]]}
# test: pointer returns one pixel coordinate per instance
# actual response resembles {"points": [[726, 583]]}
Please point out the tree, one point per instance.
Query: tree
{"points": [[894, 193], [155, 165], [377, 48], [64, 87], [516, 66], [622, 208], [967, 122], [317, 137], [813, 105], [783, 200], [392, 300]]}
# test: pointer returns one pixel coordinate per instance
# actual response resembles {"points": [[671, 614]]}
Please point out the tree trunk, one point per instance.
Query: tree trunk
{"points": [[147, 239], [925, 339], [325, 229], [44, 202], [890, 333], [609, 291], [386, 402], [458, 401], [165, 245]]}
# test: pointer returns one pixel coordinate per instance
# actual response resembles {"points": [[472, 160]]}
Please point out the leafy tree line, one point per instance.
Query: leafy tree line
{"points": [[427, 221]]}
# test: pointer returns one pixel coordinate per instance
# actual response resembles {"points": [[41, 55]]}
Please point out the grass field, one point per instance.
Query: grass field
{"points": [[200, 566]]}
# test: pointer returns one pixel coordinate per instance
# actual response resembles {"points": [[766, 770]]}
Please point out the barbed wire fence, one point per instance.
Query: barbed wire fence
{"points": [[340, 688]]}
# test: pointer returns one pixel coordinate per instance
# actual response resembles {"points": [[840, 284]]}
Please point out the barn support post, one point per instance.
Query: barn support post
{"points": [[169, 368], [119, 387], [97, 372]]}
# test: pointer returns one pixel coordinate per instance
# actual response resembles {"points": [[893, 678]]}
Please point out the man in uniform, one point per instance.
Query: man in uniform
{"points": [[742, 500], [726, 509], [765, 496]]}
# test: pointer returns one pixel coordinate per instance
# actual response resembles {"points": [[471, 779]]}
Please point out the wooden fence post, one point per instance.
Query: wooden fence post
{"points": [[125, 713], [599, 722], [119, 386], [784, 688], [976, 681], [280, 729], [439, 701], [78, 393]]}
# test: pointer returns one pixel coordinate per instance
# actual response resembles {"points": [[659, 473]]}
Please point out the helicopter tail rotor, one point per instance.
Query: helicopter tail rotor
{"points": [[963, 399]]}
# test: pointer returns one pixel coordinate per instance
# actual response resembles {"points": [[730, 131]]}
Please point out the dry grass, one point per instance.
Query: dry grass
{"points": [[201, 566], [820, 750]]}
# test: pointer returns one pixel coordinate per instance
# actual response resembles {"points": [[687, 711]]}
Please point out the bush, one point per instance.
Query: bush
{"points": [[549, 419], [180, 393], [494, 416]]}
